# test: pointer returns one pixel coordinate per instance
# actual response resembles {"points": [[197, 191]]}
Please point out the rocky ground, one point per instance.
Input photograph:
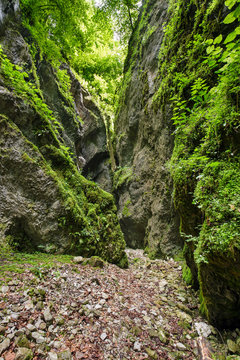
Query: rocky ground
{"points": [[75, 311]]}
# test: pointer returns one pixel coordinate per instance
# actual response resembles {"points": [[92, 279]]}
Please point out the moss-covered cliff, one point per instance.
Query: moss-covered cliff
{"points": [[144, 144], [45, 202], [193, 94]]}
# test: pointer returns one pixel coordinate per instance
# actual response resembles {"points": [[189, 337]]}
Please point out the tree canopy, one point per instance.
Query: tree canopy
{"points": [[88, 35]]}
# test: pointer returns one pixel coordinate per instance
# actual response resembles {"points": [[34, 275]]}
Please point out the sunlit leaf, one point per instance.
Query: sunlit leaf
{"points": [[230, 18], [230, 37], [237, 12], [218, 39], [230, 3], [210, 49]]}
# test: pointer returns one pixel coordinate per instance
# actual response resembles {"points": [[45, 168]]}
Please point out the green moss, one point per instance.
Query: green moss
{"points": [[154, 254], [88, 220], [121, 176], [26, 157], [126, 211], [187, 275]]}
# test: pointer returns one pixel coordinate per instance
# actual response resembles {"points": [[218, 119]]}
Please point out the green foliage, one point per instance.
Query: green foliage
{"points": [[201, 81], [125, 13], [88, 217], [18, 80], [126, 211], [121, 176], [81, 34]]}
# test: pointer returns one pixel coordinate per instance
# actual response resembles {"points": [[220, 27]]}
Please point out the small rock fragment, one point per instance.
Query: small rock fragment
{"points": [[203, 329], [38, 337], [103, 336], [22, 342], [64, 355], [47, 316], [137, 346], [5, 289], [4, 345], [59, 320], [52, 356], [78, 259], [24, 354], [180, 346], [31, 327]]}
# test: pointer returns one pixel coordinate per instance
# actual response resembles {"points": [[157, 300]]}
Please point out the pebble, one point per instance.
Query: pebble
{"points": [[180, 346], [52, 356], [203, 329], [103, 336], [38, 337], [57, 344], [4, 345], [137, 346], [5, 289], [24, 354], [47, 316], [64, 355], [59, 320], [78, 259], [31, 327]]}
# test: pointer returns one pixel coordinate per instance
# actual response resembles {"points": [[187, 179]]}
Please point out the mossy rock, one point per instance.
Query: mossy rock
{"points": [[95, 261]]}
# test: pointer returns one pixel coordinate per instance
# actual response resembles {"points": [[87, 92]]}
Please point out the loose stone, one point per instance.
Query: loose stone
{"points": [[4, 345], [24, 354]]}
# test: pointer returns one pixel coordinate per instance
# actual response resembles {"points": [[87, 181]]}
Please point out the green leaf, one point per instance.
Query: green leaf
{"points": [[230, 3], [237, 30], [230, 18], [209, 41], [230, 37], [218, 39], [210, 49], [217, 51], [237, 12], [212, 63]]}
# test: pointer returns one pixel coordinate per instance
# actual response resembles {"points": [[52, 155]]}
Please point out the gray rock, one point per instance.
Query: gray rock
{"points": [[33, 205], [184, 317], [96, 261], [103, 336], [144, 144], [59, 320], [4, 289], [78, 259], [180, 346], [203, 329], [65, 355], [48, 316], [24, 354], [4, 345], [38, 337], [31, 327], [52, 356], [137, 346], [22, 342]]}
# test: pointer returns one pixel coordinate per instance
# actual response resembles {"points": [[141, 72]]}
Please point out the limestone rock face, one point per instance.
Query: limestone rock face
{"points": [[84, 132], [145, 143], [45, 202]]}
